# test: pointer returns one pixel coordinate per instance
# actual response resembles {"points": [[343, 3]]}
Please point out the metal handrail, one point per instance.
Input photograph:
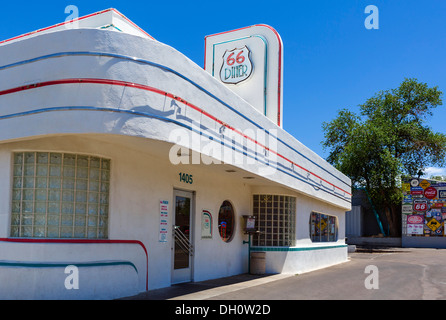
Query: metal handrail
{"points": [[183, 241]]}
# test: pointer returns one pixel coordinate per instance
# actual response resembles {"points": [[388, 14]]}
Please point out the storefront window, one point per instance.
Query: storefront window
{"points": [[275, 219], [59, 195], [226, 221], [323, 227]]}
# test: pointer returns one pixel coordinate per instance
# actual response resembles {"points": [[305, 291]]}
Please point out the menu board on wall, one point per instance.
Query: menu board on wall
{"points": [[164, 215], [415, 224], [424, 207]]}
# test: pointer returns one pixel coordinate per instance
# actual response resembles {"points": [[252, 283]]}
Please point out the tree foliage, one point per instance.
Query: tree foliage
{"points": [[389, 139]]}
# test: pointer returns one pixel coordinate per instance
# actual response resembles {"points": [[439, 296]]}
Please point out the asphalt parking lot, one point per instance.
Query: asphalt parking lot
{"points": [[386, 274]]}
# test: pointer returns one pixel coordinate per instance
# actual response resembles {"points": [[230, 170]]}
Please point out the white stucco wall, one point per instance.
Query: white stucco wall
{"points": [[139, 180], [131, 124], [153, 113], [306, 255]]}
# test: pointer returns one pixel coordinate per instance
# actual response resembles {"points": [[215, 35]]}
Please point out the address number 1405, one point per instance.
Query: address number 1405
{"points": [[186, 178]]}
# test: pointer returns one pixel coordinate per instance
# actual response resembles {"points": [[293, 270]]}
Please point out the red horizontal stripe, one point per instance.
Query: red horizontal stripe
{"points": [[78, 19], [161, 92]]}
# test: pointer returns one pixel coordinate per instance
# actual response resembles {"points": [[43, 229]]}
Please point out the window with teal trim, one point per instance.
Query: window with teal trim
{"points": [[59, 195], [323, 227], [275, 219]]}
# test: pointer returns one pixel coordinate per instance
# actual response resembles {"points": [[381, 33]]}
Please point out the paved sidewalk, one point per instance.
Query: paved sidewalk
{"points": [[403, 274], [208, 289]]}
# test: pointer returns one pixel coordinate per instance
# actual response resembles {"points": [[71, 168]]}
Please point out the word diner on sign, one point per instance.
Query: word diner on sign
{"points": [[237, 66]]}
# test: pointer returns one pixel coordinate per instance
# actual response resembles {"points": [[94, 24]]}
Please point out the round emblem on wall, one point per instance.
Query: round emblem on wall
{"points": [[430, 192], [414, 182]]}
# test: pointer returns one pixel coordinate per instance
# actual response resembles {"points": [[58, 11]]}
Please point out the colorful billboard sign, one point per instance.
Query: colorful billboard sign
{"points": [[423, 207]]}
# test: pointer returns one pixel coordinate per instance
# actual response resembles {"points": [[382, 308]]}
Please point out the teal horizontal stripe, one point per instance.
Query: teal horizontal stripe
{"points": [[160, 66], [296, 249], [148, 115], [34, 264]]}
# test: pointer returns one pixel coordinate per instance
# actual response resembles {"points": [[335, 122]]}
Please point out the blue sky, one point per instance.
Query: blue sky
{"points": [[331, 61]]}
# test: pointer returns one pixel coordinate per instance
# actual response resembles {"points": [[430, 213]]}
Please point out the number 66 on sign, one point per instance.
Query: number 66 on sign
{"points": [[420, 205], [237, 66]]}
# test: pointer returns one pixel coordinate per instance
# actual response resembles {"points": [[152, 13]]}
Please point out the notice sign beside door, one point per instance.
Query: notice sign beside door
{"points": [[164, 215], [206, 224]]}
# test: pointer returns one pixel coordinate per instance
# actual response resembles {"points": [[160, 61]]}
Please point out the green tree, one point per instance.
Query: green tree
{"points": [[389, 139], [438, 178]]}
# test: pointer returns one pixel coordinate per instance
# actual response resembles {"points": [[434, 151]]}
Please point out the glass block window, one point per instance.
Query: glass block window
{"points": [[60, 195], [275, 219], [323, 227]]}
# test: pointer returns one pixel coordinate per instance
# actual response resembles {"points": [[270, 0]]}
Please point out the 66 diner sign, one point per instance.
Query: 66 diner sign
{"points": [[237, 65]]}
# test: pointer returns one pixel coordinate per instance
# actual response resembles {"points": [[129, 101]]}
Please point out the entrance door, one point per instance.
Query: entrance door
{"points": [[182, 237]]}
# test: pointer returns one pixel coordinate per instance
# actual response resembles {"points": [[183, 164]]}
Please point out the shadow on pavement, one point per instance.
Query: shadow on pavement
{"points": [[182, 289]]}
